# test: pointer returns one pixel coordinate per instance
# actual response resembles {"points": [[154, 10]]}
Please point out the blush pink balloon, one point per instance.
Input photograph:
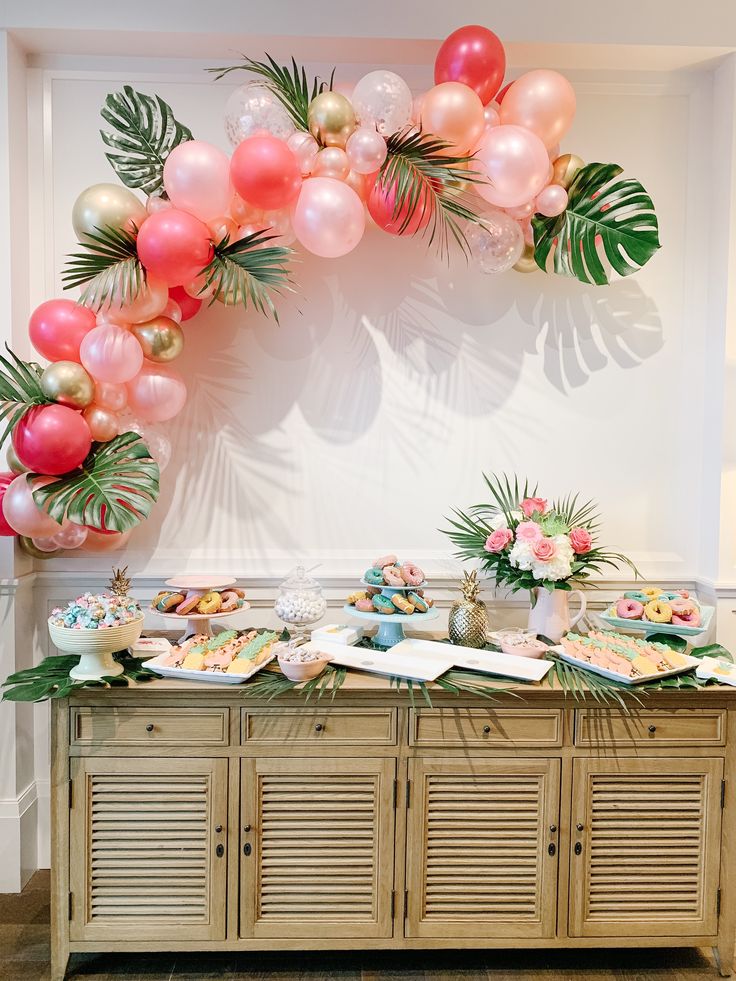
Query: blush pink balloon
{"points": [[103, 424], [551, 201], [71, 536], [157, 393], [6, 479], [149, 303], [51, 439], [366, 150], [525, 210], [305, 148], [57, 328], [381, 204], [110, 353], [197, 179], [332, 162], [542, 101], [516, 164], [328, 218], [21, 511], [111, 396], [174, 246], [453, 112], [491, 117], [265, 172], [105, 541]]}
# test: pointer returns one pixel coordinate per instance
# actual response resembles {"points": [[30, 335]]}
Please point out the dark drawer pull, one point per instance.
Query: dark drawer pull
{"points": [[486, 729], [220, 851], [553, 828], [652, 728], [247, 849], [149, 727], [579, 827], [218, 829], [578, 848], [551, 848], [319, 727]]}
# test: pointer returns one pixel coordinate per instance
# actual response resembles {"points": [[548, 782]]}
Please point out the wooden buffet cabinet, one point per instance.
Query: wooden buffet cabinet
{"points": [[192, 817]]}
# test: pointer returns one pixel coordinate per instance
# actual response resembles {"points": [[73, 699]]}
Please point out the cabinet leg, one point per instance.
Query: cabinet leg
{"points": [[723, 955], [59, 963]]}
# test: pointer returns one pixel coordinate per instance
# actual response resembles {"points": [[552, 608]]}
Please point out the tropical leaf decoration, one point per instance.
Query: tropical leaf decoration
{"points": [[50, 678], [20, 390], [617, 215], [115, 488], [247, 271], [145, 133], [108, 267], [427, 183], [290, 85]]}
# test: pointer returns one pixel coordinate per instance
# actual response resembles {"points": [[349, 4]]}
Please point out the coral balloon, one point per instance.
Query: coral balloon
{"points": [[366, 150], [67, 383], [279, 223], [110, 353], [189, 304], [105, 541], [542, 101], [197, 179], [454, 113], [72, 536], [103, 424], [221, 227], [516, 164], [332, 162], [157, 393], [551, 201], [382, 100], [52, 439], [6, 479], [150, 302], [491, 116], [265, 173], [502, 93], [111, 396], [381, 205], [474, 56], [361, 183], [106, 206], [305, 148], [174, 246], [328, 218], [57, 328], [21, 511]]}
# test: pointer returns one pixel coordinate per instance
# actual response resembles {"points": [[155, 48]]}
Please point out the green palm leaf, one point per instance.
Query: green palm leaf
{"points": [[20, 390], [290, 85], [109, 267], [115, 488], [247, 272], [145, 134], [426, 182], [621, 213]]}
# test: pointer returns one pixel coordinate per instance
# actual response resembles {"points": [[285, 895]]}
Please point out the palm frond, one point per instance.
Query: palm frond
{"points": [[425, 182], [146, 131], [290, 85], [20, 390], [248, 271], [109, 266]]}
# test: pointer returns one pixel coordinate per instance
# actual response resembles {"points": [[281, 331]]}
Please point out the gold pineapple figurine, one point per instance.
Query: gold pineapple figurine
{"points": [[120, 583], [468, 619]]}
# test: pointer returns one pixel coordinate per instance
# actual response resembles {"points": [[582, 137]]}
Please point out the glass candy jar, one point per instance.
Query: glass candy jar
{"points": [[300, 601]]}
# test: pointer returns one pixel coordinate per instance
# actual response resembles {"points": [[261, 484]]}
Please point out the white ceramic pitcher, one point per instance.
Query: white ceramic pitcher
{"points": [[550, 612]]}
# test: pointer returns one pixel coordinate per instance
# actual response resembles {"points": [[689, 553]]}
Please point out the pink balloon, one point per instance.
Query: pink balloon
{"points": [[111, 396], [6, 479], [332, 161], [156, 202], [51, 439], [174, 246], [57, 328], [454, 113], [105, 541], [551, 201], [45, 544], [103, 424], [197, 179], [474, 56], [366, 150], [328, 218], [265, 172], [525, 210], [381, 203], [305, 148], [542, 101], [110, 353], [491, 116], [157, 393], [149, 303], [21, 511], [515, 162], [71, 536]]}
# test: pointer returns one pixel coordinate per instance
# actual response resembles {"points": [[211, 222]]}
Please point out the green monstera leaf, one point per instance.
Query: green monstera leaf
{"points": [[602, 213]]}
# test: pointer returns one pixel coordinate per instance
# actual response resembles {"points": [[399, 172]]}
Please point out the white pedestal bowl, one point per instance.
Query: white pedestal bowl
{"points": [[96, 648]]}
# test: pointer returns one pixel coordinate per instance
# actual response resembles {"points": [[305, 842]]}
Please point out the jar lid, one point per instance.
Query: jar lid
{"points": [[299, 580]]}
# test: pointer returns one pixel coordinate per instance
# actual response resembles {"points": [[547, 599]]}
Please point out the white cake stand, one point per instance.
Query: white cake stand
{"points": [[200, 623], [391, 625]]}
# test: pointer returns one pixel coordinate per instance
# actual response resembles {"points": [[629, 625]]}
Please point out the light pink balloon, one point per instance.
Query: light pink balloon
{"points": [[366, 150], [332, 161], [305, 148], [156, 202], [491, 116], [525, 210], [149, 303], [72, 536], [45, 544], [157, 393], [103, 424], [542, 101], [111, 396], [197, 179], [172, 310], [110, 353], [516, 164], [328, 218], [551, 201], [21, 511]]}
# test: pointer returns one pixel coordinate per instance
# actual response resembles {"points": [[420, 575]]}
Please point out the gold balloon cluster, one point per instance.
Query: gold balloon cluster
{"points": [[162, 339], [331, 119], [67, 383], [564, 169]]}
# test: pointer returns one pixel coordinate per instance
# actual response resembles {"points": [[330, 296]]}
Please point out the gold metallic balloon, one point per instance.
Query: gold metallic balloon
{"points": [[331, 119], [526, 263], [67, 383], [162, 339], [104, 205], [14, 463], [565, 168], [27, 546]]}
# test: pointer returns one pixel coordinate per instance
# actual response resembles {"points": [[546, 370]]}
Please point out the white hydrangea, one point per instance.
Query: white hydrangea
{"points": [[560, 567], [521, 556], [499, 520]]}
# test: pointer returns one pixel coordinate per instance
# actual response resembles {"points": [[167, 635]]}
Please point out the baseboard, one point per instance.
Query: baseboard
{"points": [[18, 839]]}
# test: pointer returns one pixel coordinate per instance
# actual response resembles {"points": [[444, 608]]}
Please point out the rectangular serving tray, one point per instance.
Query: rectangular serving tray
{"points": [[615, 676], [215, 677], [424, 667], [647, 627], [487, 662]]}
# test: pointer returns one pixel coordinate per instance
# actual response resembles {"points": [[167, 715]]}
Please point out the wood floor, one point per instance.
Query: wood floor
{"points": [[24, 956]]}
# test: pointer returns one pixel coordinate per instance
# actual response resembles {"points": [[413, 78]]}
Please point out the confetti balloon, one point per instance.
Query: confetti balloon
{"points": [[497, 244], [383, 100], [71, 536], [253, 109]]}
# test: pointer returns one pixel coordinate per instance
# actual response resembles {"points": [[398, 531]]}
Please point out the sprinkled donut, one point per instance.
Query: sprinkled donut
{"points": [[682, 607], [629, 609], [384, 561], [402, 604], [412, 574], [392, 576], [419, 603], [658, 612]]}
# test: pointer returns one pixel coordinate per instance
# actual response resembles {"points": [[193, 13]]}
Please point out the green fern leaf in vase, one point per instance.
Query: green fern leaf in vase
{"points": [[109, 266], [20, 390], [602, 213]]}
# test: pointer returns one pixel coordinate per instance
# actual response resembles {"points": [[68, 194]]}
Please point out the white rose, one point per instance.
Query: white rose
{"points": [[518, 516], [521, 556], [499, 521]]}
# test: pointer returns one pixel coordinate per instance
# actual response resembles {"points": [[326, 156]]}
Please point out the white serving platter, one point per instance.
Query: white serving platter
{"points": [[416, 667], [207, 583], [385, 585], [194, 617], [707, 669], [487, 662], [648, 627], [216, 677], [431, 614], [615, 676]]}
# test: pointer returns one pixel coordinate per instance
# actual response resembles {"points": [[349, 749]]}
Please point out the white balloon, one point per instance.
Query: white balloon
{"points": [[253, 108], [383, 99], [497, 244]]}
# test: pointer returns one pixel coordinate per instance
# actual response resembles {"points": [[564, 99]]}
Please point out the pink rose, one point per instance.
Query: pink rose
{"points": [[498, 541], [580, 540], [531, 504], [544, 549], [528, 531]]}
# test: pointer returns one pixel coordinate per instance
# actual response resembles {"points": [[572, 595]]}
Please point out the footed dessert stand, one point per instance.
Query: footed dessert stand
{"points": [[199, 623], [391, 625]]}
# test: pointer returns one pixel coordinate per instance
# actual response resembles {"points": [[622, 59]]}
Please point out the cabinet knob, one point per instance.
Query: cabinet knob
{"points": [[218, 829], [552, 828], [579, 827], [486, 729], [319, 727], [652, 728], [149, 727], [246, 827]]}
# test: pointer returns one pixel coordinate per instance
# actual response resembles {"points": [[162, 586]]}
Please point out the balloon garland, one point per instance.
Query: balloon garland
{"points": [[471, 164]]}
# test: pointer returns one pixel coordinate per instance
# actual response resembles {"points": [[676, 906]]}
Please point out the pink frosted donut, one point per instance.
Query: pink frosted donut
{"points": [[365, 606], [384, 561], [392, 576], [412, 574], [683, 592], [683, 606], [687, 619], [629, 609], [189, 603], [229, 601]]}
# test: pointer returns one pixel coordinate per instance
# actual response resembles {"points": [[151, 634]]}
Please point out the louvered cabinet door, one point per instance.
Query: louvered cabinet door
{"points": [[482, 848], [317, 858], [646, 844], [147, 859]]}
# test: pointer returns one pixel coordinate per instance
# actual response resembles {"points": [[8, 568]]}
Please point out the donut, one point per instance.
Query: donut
{"points": [[354, 597], [687, 619], [683, 606], [372, 591], [392, 576], [402, 604], [418, 602], [629, 609], [230, 601], [240, 593], [383, 604], [210, 603], [636, 594], [658, 612], [668, 597], [384, 561], [365, 605], [683, 592], [412, 574], [652, 592], [190, 601], [374, 576], [167, 601]]}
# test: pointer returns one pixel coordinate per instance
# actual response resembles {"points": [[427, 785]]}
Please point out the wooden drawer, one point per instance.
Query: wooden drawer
{"points": [[345, 727], [150, 726], [485, 727], [650, 727]]}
